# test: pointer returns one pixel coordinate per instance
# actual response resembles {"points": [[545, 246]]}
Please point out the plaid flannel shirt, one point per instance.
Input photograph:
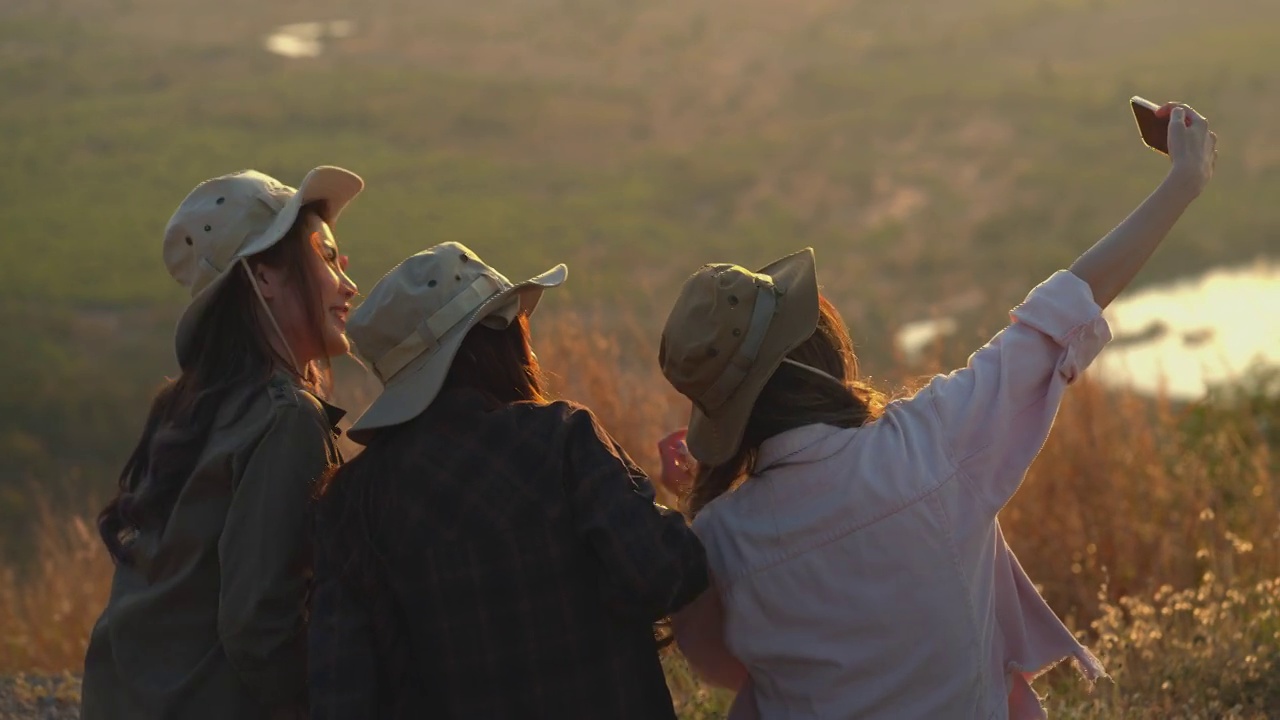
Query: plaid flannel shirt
{"points": [[524, 561]]}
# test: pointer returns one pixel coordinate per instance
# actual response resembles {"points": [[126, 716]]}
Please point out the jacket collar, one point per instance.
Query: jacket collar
{"points": [[333, 413], [804, 444], [283, 380]]}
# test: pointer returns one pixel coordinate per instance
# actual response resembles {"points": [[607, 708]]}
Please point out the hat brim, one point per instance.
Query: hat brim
{"points": [[333, 186], [714, 438], [412, 390]]}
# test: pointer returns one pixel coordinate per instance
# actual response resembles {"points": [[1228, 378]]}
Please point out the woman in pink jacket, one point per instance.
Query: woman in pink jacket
{"points": [[860, 570]]}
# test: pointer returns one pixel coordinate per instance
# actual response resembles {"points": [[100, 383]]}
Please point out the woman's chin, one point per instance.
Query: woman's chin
{"points": [[337, 344]]}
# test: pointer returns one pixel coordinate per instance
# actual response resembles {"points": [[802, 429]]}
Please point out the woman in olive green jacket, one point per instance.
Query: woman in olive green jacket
{"points": [[209, 531]]}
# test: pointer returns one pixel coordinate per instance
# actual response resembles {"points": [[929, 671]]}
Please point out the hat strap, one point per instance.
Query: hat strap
{"points": [[740, 364], [253, 282], [426, 337], [813, 369]]}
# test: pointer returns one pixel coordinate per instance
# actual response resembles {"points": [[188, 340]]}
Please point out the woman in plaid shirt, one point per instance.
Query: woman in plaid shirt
{"points": [[490, 554]]}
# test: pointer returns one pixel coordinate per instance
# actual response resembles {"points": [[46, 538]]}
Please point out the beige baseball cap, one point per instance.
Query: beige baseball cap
{"points": [[411, 324], [728, 332], [232, 217]]}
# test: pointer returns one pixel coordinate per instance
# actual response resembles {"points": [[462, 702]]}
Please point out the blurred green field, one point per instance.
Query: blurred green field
{"points": [[939, 155]]}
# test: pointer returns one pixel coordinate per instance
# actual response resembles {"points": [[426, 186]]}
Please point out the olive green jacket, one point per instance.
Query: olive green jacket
{"points": [[209, 620]]}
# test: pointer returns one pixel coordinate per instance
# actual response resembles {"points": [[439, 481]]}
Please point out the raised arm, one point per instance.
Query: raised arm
{"points": [[994, 415], [1111, 264]]}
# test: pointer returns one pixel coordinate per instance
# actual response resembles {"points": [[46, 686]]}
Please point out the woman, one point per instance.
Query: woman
{"points": [[210, 530], [860, 570], [490, 554]]}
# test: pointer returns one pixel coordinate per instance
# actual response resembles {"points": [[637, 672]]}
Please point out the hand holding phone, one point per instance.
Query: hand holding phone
{"points": [[1153, 122], [1195, 148]]}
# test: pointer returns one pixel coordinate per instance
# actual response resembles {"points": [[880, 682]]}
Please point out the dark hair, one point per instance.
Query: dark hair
{"points": [[232, 353], [499, 364], [794, 397]]}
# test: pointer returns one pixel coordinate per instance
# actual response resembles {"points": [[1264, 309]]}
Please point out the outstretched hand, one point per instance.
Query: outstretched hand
{"points": [[1193, 148], [1111, 264]]}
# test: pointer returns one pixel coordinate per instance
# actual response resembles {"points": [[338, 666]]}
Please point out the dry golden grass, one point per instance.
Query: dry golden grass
{"points": [[1171, 512], [1212, 650], [47, 609]]}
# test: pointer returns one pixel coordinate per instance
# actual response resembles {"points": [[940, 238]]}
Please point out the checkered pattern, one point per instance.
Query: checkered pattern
{"points": [[523, 561]]}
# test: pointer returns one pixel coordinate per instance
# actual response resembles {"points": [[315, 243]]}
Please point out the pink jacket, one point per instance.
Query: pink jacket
{"points": [[863, 573]]}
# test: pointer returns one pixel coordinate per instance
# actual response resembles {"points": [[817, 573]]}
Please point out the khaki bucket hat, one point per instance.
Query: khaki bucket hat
{"points": [[728, 332], [410, 326], [232, 217]]}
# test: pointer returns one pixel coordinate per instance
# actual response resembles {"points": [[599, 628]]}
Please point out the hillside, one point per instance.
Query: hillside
{"points": [[940, 156]]}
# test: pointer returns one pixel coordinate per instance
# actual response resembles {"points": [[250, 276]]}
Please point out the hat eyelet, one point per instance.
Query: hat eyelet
{"points": [[737, 332], [733, 300], [220, 200], [465, 257], [457, 278], [190, 241], [207, 228], [431, 283]]}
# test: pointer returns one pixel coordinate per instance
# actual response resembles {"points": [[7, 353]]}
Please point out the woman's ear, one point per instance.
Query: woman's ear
{"points": [[270, 281]]}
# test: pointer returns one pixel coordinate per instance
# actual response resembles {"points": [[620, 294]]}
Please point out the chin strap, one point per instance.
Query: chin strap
{"points": [[253, 282], [813, 369]]}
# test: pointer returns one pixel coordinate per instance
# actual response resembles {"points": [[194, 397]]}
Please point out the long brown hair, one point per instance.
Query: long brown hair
{"points": [[794, 397], [232, 354]]}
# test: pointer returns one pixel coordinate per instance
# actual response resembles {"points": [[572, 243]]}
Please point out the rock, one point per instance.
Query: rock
{"points": [[40, 697]]}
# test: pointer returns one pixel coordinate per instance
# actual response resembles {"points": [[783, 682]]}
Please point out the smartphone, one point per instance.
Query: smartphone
{"points": [[1154, 130]]}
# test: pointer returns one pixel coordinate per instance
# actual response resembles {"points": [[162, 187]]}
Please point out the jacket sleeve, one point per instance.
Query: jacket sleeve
{"points": [[994, 415], [650, 561], [342, 659], [265, 558]]}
